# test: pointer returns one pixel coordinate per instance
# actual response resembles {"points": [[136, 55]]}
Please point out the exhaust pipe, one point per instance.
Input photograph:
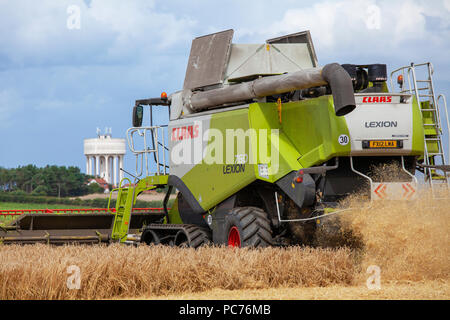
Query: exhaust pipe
{"points": [[332, 74], [341, 87]]}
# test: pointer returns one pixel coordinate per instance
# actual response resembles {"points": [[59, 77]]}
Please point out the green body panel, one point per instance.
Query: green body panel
{"points": [[149, 183], [152, 182], [208, 182], [307, 135], [174, 214], [264, 116], [384, 87], [314, 130]]}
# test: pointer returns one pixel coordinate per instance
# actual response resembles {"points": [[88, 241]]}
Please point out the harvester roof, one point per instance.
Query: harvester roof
{"points": [[214, 60]]}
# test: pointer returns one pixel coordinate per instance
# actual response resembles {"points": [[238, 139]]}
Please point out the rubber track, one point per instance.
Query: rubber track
{"points": [[196, 236]]}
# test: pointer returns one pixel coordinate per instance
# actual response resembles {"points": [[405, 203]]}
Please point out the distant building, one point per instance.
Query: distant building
{"points": [[104, 157], [101, 182]]}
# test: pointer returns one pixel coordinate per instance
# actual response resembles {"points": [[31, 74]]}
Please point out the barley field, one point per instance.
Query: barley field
{"points": [[408, 241]]}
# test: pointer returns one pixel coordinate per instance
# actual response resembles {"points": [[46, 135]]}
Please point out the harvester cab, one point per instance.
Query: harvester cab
{"points": [[262, 141]]}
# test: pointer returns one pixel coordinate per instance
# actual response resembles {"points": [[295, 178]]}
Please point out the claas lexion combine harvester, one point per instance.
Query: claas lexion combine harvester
{"points": [[260, 143]]}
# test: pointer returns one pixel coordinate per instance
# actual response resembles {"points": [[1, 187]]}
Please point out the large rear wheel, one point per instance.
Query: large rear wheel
{"points": [[248, 227]]}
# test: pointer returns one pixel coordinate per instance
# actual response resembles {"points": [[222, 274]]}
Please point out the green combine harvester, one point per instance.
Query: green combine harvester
{"points": [[262, 142]]}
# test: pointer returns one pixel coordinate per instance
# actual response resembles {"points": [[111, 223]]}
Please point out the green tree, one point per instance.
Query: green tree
{"points": [[51, 180], [40, 191], [95, 188]]}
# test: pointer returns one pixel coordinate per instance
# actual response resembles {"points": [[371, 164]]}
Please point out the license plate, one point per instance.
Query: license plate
{"points": [[383, 144]]}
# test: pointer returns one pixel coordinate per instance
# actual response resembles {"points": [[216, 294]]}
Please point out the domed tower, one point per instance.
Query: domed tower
{"points": [[102, 154]]}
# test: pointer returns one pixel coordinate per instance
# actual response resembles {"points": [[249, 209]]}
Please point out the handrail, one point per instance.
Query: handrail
{"points": [[446, 116], [413, 89], [157, 140]]}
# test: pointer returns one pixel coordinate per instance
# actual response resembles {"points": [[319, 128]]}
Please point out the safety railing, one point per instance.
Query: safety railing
{"points": [[153, 149]]}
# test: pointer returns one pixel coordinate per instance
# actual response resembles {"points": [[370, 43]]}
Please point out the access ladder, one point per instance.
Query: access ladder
{"points": [[423, 90], [156, 176]]}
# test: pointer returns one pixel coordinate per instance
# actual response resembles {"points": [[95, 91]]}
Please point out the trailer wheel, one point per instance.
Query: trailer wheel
{"points": [[247, 227], [192, 236]]}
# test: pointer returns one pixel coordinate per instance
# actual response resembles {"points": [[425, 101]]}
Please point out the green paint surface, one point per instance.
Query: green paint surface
{"points": [[210, 183], [307, 135]]}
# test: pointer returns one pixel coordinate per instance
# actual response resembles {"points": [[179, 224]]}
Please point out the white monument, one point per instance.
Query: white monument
{"points": [[102, 155]]}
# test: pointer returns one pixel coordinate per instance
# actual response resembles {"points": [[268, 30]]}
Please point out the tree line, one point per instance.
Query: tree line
{"points": [[58, 181]]}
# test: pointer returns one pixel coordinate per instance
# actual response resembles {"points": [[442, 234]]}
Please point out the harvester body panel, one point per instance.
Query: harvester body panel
{"points": [[217, 154]]}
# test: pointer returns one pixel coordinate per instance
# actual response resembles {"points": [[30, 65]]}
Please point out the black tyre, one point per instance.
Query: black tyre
{"points": [[247, 227], [192, 236], [150, 237]]}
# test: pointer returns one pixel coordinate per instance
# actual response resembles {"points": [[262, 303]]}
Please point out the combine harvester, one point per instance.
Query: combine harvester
{"points": [[262, 142]]}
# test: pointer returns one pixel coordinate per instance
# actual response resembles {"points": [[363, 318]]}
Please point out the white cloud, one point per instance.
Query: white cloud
{"points": [[345, 24], [113, 31], [138, 24], [117, 31], [408, 22], [447, 4], [319, 18], [11, 106]]}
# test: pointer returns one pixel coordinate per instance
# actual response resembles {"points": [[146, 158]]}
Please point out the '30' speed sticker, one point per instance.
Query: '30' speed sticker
{"points": [[343, 139]]}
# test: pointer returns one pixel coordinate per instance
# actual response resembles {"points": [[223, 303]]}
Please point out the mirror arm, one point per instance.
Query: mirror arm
{"points": [[150, 102], [153, 101]]}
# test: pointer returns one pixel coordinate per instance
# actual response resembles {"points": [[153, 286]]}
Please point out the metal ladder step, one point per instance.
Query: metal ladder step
{"points": [[436, 178], [124, 204], [428, 101]]}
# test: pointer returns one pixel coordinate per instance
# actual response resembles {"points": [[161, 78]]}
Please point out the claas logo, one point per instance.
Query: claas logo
{"points": [[382, 99], [185, 132]]}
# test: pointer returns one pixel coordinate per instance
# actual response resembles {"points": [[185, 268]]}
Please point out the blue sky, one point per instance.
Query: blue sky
{"points": [[57, 85]]}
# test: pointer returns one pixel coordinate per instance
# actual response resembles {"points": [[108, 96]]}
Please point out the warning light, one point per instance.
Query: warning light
{"points": [[400, 80], [299, 178], [163, 95]]}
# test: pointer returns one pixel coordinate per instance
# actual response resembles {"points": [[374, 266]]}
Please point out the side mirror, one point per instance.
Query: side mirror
{"points": [[138, 116]]}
